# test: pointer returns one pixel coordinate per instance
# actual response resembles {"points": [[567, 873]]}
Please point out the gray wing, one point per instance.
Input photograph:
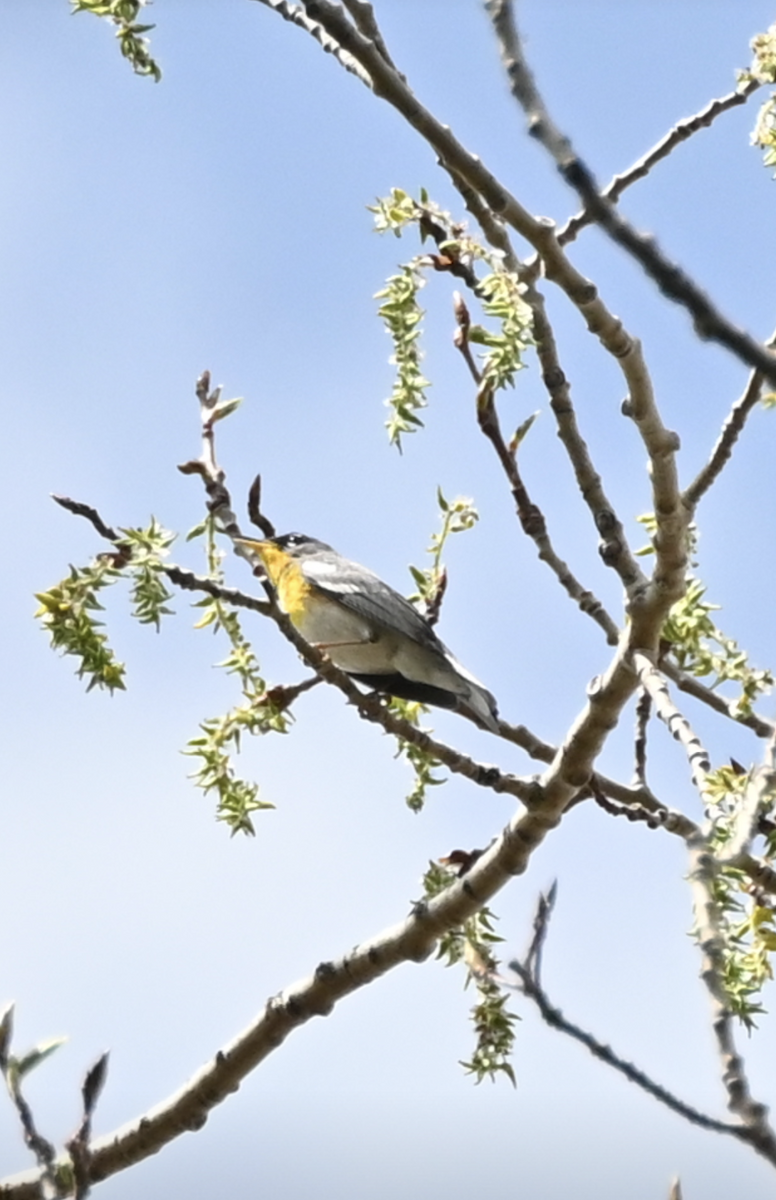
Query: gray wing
{"points": [[365, 594]]}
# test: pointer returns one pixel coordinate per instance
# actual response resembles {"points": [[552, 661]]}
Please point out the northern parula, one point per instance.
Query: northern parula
{"points": [[367, 629]]}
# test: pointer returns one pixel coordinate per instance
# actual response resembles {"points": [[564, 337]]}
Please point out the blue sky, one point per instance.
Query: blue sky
{"points": [[219, 220]]}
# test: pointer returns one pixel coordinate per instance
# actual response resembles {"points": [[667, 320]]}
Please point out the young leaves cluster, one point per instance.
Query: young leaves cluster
{"points": [[145, 550], [701, 649], [402, 315], [472, 944], [499, 293], [262, 711], [422, 763], [764, 70], [67, 612], [67, 609], [457, 516], [134, 46], [747, 922]]}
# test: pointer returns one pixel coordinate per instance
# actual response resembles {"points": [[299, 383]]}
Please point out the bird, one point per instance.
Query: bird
{"points": [[367, 629]]}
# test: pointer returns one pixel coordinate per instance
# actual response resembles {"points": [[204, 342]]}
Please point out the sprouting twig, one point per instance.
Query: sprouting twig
{"points": [[187, 580], [79, 1145], [255, 515], [755, 1127], [759, 791], [727, 708]]}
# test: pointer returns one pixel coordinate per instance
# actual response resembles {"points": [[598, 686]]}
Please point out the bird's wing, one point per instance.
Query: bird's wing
{"points": [[365, 594]]}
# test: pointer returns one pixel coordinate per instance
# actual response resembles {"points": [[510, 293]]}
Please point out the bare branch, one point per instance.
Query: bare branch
{"points": [[530, 985], [295, 13], [731, 430], [613, 548], [255, 515], [91, 514], [678, 725], [365, 21], [673, 282], [643, 713], [531, 517], [683, 130]]}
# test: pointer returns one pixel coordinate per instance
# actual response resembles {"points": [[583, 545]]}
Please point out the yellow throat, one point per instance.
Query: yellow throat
{"points": [[286, 577]]}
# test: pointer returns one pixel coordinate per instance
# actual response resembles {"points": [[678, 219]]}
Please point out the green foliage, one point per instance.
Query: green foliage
{"points": [[763, 69], [472, 943], [123, 14], [747, 922], [499, 293], [15, 1067], [263, 711], [146, 549], [457, 516], [764, 133], [66, 612], [701, 649], [402, 316], [422, 763], [698, 646], [502, 300]]}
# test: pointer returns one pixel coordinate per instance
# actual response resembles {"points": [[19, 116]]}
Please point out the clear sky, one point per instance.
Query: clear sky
{"points": [[218, 219]]}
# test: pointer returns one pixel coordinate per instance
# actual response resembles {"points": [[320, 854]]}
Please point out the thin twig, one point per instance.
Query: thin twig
{"points": [[296, 14], [255, 515], [727, 708], [79, 1146], [708, 322], [613, 548], [683, 130], [731, 430], [530, 515], [365, 21], [530, 985]]}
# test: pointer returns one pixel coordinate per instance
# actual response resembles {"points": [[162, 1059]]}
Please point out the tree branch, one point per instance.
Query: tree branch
{"points": [[295, 13], [731, 430], [529, 972], [683, 130], [673, 282], [755, 1127], [678, 725], [530, 516], [726, 708]]}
